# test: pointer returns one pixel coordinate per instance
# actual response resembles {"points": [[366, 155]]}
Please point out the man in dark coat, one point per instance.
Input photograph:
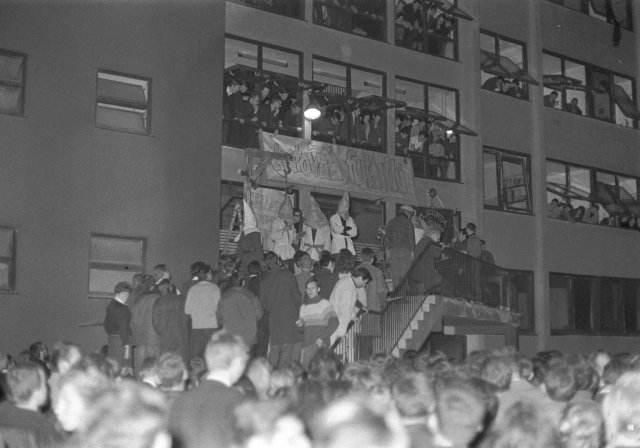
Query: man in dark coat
{"points": [[280, 298], [400, 238], [170, 321], [145, 337], [203, 416]]}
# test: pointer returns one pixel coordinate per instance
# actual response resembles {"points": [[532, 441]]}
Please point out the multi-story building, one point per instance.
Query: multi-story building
{"points": [[488, 110]]}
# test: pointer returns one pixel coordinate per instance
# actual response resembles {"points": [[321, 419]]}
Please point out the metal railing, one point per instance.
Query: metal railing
{"points": [[442, 271]]}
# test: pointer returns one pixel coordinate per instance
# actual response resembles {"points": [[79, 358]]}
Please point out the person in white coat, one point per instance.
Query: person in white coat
{"points": [[282, 232], [316, 232], [343, 227]]}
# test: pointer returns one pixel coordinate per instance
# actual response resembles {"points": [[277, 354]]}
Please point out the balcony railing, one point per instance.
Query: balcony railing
{"points": [[449, 273]]}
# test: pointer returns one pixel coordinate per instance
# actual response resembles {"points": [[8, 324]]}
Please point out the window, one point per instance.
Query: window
{"points": [[607, 11], [507, 184], [354, 106], [114, 259], [596, 305], [429, 27], [583, 89], [263, 91], [7, 259], [421, 132], [289, 8], [123, 103], [504, 66], [13, 69], [363, 17], [582, 194]]}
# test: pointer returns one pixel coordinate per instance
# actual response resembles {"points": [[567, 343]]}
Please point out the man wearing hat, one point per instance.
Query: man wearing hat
{"points": [[343, 227], [400, 239]]}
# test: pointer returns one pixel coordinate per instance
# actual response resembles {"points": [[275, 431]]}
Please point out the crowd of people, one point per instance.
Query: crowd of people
{"points": [[592, 215], [363, 17], [552, 100], [248, 108], [421, 26], [504, 86], [353, 126], [228, 398], [433, 151]]}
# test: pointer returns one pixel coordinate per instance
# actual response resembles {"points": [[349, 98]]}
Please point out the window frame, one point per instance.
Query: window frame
{"points": [[425, 101], [11, 261], [106, 266], [124, 104], [590, 69], [301, 5], [525, 89], [348, 92], [22, 84], [260, 58], [349, 23], [618, 301], [502, 202], [584, 9]]}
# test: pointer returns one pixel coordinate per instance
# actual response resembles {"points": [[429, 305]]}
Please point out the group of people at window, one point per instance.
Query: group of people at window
{"points": [[433, 151], [420, 26], [591, 215], [248, 108], [354, 126], [505, 86], [573, 106], [363, 17]]}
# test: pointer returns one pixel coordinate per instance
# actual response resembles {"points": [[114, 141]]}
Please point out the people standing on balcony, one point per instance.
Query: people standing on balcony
{"points": [[249, 120], [573, 107], [485, 254], [366, 127], [282, 232], [473, 241], [551, 100], [323, 128], [375, 134], [436, 154], [343, 227], [593, 214], [291, 121], [412, 19], [400, 243], [228, 110], [317, 233], [298, 228], [357, 125], [269, 115], [249, 246]]}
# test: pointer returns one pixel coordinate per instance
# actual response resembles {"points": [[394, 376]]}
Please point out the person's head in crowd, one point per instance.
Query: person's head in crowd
{"points": [[497, 371], [38, 351], [409, 355], [204, 272], [26, 386], [460, 410], [63, 356], [107, 366], [137, 282], [598, 359], [524, 426], [471, 229], [326, 260], [581, 425], [413, 396], [259, 373], [298, 256], [264, 92], [164, 286], [195, 268], [325, 365], [254, 268], [197, 369], [296, 107], [254, 100], [276, 104], [621, 411], [367, 255], [281, 383], [345, 262], [614, 370], [171, 372], [433, 365], [246, 388], [122, 291], [226, 356], [361, 277], [268, 424], [6, 362], [352, 422], [78, 391], [272, 261], [148, 371], [366, 381], [127, 416], [475, 361], [560, 383], [312, 290], [380, 360], [397, 369], [160, 272]]}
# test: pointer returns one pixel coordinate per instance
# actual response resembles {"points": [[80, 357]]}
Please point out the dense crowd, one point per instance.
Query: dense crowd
{"points": [[230, 399], [591, 215]]}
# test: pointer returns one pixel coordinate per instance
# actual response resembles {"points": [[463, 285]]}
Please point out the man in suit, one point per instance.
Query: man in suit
{"points": [[203, 415]]}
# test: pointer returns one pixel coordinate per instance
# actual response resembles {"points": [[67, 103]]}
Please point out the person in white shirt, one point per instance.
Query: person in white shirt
{"points": [[201, 305]]}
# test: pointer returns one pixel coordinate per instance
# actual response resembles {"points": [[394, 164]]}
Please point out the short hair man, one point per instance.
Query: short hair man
{"points": [[401, 243], [27, 393], [345, 296], [201, 305], [376, 289], [203, 416]]}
